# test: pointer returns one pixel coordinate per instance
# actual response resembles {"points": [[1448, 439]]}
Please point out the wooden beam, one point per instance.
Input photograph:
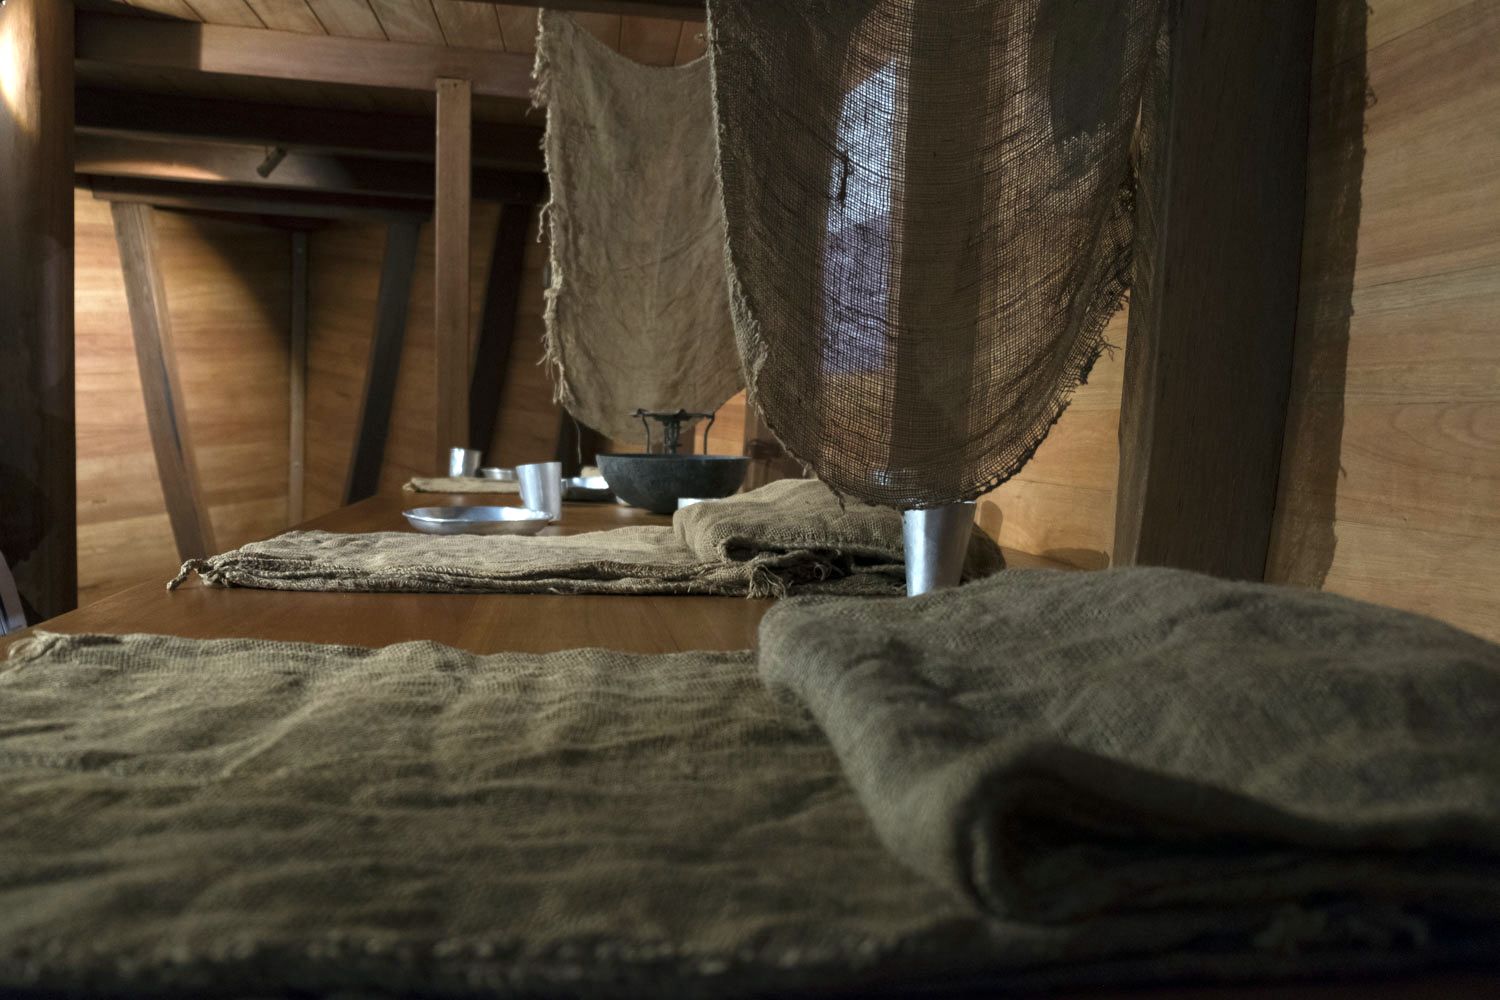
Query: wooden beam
{"points": [[679, 10], [498, 327], [250, 201], [1214, 305], [239, 165], [391, 307], [451, 225], [38, 492], [287, 55], [297, 383], [316, 130], [166, 414]]}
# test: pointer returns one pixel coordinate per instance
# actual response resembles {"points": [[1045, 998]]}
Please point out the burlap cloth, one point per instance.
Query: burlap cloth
{"points": [[454, 484], [638, 308], [929, 220], [1055, 746], [788, 535], [1126, 777]]}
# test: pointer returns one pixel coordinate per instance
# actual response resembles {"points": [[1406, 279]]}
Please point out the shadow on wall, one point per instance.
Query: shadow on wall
{"points": [[1303, 539]]}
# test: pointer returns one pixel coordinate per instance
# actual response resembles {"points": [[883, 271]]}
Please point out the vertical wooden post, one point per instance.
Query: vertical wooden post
{"points": [[498, 327], [1214, 304], [297, 383], [171, 440], [385, 360], [38, 485], [451, 287]]}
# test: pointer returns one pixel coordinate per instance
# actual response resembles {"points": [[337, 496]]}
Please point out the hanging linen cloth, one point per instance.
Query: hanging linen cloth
{"points": [[638, 309], [929, 211]]}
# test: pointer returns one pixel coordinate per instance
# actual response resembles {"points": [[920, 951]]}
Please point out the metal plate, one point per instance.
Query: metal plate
{"points": [[492, 472], [476, 520], [587, 488]]}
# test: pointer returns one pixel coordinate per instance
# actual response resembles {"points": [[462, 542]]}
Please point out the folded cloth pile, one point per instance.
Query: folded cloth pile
{"points": [[790, 535], [454, 484], [1039, 780], [1058, 746]]}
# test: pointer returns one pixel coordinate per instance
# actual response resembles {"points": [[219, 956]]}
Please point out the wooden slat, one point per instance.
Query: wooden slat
{"points": [[171, 437], [475, 25], [1214, 303], [297, 383], [347, 18], [287, 55], [230, 12], [236, 164], [498, 326], [451, 218], [287, 15], [518, 26], [692, 43], [385, 360], [682, 10], [113, 112], [650, 40], [408, 21], [242, 201], [37, 485], [171, 8]]}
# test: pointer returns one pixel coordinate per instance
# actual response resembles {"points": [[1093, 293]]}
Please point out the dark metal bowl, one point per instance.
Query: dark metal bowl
{"points": [[656, 482]]}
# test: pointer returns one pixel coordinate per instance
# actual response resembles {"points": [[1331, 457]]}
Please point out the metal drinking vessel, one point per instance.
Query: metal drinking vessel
{"points": [[463, 463], [937, 539], [541, 487]]}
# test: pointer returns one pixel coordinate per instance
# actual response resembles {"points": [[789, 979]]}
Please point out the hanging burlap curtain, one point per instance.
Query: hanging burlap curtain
{"points": [[929, 221], [638, 309]]}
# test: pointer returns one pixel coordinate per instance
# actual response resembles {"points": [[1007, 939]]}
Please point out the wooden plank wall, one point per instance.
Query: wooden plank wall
{"points": [[1062, 504], [1390, 481], [228, 289]]}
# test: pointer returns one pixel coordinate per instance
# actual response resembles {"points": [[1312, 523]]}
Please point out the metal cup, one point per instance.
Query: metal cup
{"points": [[541, 487], [937, 539], [463, 463]]}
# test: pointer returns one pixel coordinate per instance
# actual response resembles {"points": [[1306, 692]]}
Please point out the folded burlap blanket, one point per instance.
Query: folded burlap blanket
{"points": [[800, 526], [190, 818], [762, 544], [453, 484], [1054, 746]]}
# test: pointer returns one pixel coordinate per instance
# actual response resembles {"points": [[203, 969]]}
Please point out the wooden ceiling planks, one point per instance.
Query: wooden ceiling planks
{"points": [[605, 27], [518, 25], [692, 44], [171, 8], [288, 15], [347, 18], [235, 13], [473, 25], [408, 21]]}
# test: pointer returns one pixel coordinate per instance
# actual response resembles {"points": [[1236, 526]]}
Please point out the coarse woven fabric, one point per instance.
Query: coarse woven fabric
{"points": [[787, 536], [638, 309], [1054, 746], [929, 211], [793, 519], [190, 818], [454, 484]]}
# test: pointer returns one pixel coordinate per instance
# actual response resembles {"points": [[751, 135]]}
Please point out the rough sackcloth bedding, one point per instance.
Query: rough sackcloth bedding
{"points": [[787, 536], [1038, 780], [929, 214]]}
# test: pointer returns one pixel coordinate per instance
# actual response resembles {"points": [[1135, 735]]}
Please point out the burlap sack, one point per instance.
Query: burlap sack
{"points": [[638, 308]]}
